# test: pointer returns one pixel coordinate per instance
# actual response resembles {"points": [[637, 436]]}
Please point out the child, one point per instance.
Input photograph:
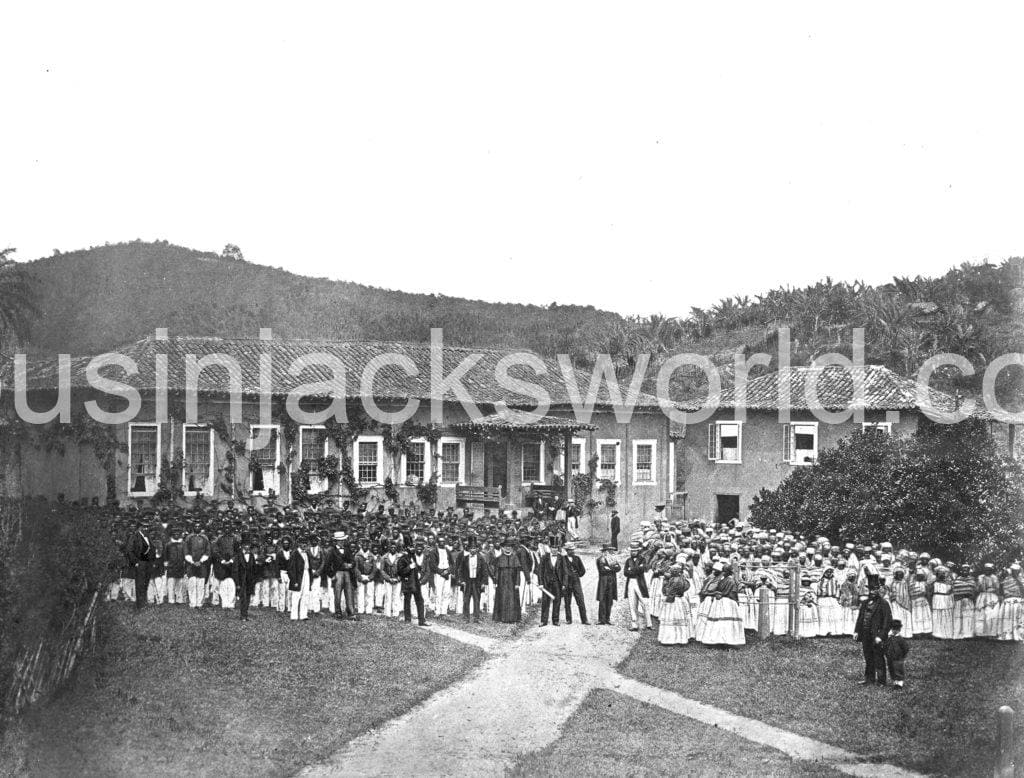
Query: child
{"points": [[896, 650]]}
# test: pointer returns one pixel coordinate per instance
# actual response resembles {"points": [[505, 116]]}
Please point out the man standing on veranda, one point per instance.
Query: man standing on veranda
{"points": [[873, 623]]}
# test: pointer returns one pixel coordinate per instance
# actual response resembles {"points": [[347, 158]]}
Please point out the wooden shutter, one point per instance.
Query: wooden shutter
{"points": [[712, 441], [787, 443]]}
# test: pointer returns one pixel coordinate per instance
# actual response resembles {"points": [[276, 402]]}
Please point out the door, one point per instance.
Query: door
{"points": [[728, 507], [496, 466]]}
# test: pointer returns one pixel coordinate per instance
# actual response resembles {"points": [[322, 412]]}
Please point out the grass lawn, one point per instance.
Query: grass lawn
{"points": [[611, 734], [943, 722], [173, 691]]}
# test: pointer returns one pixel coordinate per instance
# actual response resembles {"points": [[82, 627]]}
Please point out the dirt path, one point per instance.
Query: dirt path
{"points": [[517, 701]]}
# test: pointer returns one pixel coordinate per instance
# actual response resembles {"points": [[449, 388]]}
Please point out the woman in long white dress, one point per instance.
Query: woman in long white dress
{"points": [[674, 627]]}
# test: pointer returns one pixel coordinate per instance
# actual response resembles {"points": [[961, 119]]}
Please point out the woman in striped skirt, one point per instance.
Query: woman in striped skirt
{"points": [[830, 613], [674, 627], [963, 604]]}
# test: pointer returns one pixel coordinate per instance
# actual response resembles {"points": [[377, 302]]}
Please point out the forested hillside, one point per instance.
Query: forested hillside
{"points": [[99, 298], [92, 300]]}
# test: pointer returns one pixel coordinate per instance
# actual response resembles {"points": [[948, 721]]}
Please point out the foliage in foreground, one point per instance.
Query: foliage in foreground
{"points": [[946, 490], [52, 558]]}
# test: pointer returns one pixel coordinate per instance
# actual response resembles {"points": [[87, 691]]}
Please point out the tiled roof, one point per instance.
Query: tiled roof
{"points": [[829, 388], [392, 382], [518, 420]]}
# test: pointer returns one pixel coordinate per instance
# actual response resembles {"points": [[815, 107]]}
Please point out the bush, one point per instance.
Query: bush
{"points": [[52, 557], [946, 490]]}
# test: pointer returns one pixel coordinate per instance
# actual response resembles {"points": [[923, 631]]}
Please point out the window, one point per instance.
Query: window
{"points": [[369, 459], [313, 446], [800, 443], [415, 462], [143, 459], [644, 457], [452, 460], [264, 458], [608, 460], [883, 427], [577, 455], [725, 441], [197, 472], [533, 462]]}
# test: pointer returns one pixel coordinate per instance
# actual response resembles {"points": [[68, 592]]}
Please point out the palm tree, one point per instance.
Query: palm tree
{"points": [[17, 299]]}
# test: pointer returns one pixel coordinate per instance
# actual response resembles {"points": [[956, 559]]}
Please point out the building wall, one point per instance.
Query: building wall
{"points": [[762, 464], [78, 474]]}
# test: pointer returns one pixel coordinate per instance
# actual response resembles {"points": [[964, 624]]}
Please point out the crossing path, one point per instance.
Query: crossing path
{"points": [[518, 700]]}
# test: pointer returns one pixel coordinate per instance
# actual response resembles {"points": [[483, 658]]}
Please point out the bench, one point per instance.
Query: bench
{"points": [[487, 496]]}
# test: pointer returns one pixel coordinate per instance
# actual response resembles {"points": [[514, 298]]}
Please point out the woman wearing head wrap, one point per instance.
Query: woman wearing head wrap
{"points": [[942, 605], [899, 601], [674, 626], [849, 601], [963, 604], [808, 608], [830, 614], [707, 596], [1011, 612], [986, 605], [659, 565], [723, 624], [920, 610]]}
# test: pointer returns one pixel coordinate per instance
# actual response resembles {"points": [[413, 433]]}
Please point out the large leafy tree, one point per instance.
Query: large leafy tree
{"points": [[947, 490], [17, 299]]}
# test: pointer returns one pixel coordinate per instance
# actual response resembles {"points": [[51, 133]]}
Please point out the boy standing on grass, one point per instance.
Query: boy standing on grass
{"points": [[896, 650]]}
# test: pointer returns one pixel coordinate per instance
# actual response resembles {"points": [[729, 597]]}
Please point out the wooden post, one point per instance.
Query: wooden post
{"points": [[794, 599], [1004, 743], [764, 616]]}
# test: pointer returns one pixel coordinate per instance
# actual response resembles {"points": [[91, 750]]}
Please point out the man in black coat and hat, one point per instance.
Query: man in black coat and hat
{"points": [[872, 629]]}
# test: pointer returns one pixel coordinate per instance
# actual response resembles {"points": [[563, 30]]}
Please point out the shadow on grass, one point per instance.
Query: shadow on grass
{"points": [[943, 722]]}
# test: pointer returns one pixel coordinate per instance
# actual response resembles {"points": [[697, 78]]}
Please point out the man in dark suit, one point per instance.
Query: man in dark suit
{"points": [[413, 570], [247, 573], [872, 629], [607, 583], [138, 551], [616, 527], [472, 577], [570, 570], [547, 578]]}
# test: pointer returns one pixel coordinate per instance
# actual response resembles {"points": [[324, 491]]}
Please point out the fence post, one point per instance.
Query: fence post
{"points": [[1004, 743], [764, 616], [794, 599]]}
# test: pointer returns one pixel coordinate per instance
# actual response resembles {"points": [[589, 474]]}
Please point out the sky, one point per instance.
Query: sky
{"points": [[638, 157]]}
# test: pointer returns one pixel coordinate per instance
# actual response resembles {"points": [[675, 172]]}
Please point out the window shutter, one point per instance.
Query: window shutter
{"points": [[787, 443], [712, 441]]}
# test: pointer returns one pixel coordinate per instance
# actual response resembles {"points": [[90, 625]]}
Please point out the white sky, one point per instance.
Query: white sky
{"points": [[637, 157]]}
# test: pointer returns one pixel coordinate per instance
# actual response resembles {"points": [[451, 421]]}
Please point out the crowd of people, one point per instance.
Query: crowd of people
{"points": [[699, 581]]}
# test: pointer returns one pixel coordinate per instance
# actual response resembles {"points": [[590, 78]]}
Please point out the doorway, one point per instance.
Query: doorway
{"points": [[728, 507], [496, 465]]}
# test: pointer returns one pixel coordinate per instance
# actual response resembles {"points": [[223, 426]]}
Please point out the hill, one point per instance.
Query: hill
{"points": [[92, 300], [98, 298]]}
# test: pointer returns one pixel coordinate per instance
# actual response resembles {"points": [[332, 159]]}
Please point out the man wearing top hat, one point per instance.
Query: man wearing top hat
{"points": [[872, 629], [472, 576], [607, 583], [570, 570], [247, 574]]}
